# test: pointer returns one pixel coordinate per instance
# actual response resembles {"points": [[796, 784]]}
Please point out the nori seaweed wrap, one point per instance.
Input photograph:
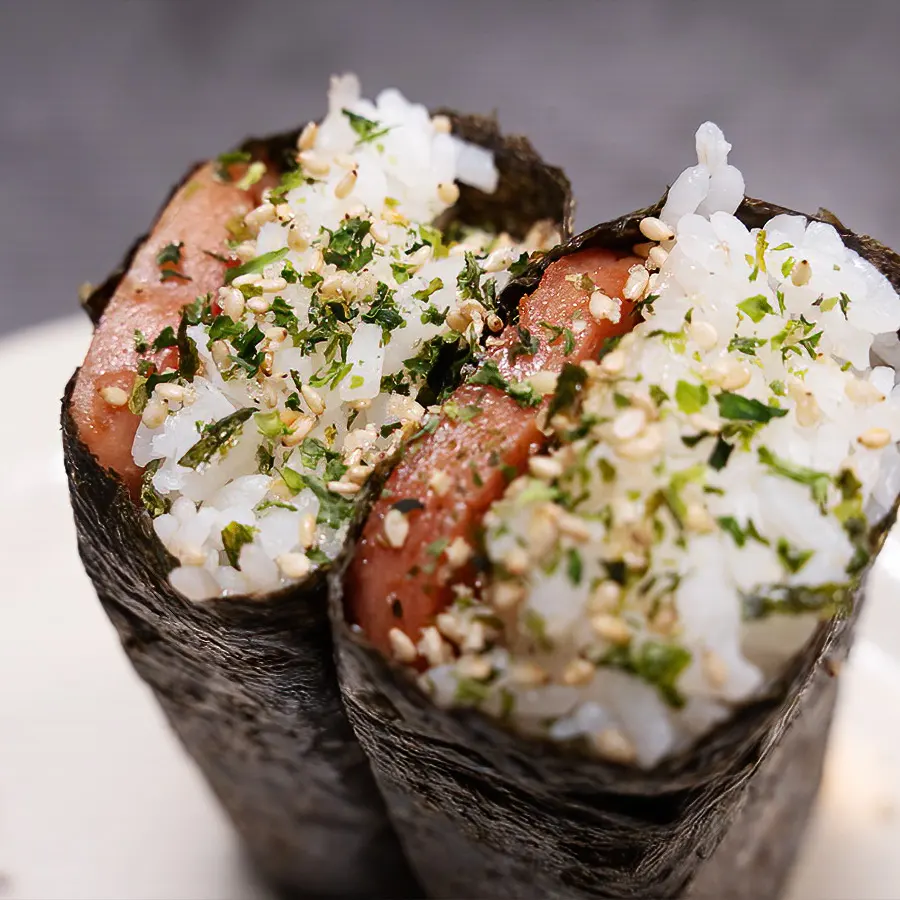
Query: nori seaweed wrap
{"points": [[249, 683], [484, 811]]}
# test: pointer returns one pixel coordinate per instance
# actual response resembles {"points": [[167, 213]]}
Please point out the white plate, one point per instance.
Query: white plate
{"points": [[97, 800]]}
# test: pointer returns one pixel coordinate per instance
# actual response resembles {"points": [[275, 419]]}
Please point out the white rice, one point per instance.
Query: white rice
{"points": [[642, 669], [245, 520]]}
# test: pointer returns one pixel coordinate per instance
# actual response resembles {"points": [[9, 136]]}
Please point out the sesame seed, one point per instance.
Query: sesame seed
{"points": [[629, 423], [313, 399], [528, 674], [578, 672], [636, 283], [272, 285], [545, 468], [297, 238], [294, 565], [458, 552], [543, 382], [220, 353], [345, 186], [359, 474], [313, 163], [862, 392], [475, 637], [278, 488], [644, 447], [248, 280], [433, 647], [420, 257], [258, 305], [605, 598], [573, 527], [494, 323], [657, 257], [171, 393], [154, 414], [698, 519], [471, 666], [801, 273], [735, 375], [379, 233], [448, 625], [808, 410], [655, 229], [345, 161], [603, 307], [612, 744], [244, 252], [442, 124], [402, 647], [704, 334], [875, 438], [613, 363], [440, 482], [232, 302], [448, 192], [704, 423], [611, 628], [275, 335], [114, 396], [499, 259], [396, 528], [306, 530], [344, 488], [516, 561], [288, 416], [307, 137], [715, 669], [300, 428], [284, 213], [258, 217]]}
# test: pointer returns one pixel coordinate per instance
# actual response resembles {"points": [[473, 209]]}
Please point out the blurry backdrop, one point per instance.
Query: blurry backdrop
{"points": [[104, 104]]}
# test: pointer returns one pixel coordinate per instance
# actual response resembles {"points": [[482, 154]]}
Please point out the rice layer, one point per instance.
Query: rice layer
{"points": [[715, 480], [304, 369]]}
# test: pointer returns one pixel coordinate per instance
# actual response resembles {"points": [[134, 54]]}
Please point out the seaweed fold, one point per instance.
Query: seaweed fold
{"points": [[249, 684], [484, 812]]}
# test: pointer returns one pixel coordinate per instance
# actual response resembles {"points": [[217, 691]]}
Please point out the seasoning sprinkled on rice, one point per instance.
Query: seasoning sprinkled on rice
{"points": [[711, 491], [300, 374]]}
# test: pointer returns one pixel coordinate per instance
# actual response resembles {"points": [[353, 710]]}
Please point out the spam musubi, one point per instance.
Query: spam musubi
{"points": [[590, 632], [274, 340]]}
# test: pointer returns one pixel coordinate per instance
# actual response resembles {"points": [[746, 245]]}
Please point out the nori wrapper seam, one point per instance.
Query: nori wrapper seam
{"points": [[483, 812], [249, 685]]}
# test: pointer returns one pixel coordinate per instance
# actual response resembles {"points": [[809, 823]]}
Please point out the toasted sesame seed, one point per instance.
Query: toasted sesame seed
{"points": [[272, 285], [171, 393], [345, 161], [288, 416], [232, 302], [248, 280], [611, 628], [220, 353], [528, 674], [344, 488], [115, 396], [244, 252], [573, 527], [715, 669], [294, 565], [578, 672], [313, 163], [801, 273], [258, 217], [636, 283], [516, 561], [345, 186], [258, 305], [306, 530], [613, 363], [448, 625], [278, 488], [704, 423], [735, 375], [433, 647], [543, 382], [359, 474], [459, 552], [612, 744], [307, 137], [448, 192], [629, 423], [300, 428], [603, 307], [442, 124], [457, 321], [284, 213], [862, 392], [471, 666], [379, 233], [605, 598], [545, 468], [655, 229], [420, 257], [297, 238], [499, 259], [475, 637], [440, 482], [704, 334], [808, 410], [154, 414], [657, 257], [313, 399], [665, 621], [875, 438], [396, 528], [494, 323], [402, 647], [276, 334], [698, 519]]}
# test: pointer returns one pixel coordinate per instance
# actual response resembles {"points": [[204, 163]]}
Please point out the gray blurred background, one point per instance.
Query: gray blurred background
{"points": [[104, 104]]}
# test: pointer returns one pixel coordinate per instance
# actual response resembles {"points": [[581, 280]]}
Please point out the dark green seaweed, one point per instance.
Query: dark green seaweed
{"points": [[484, 812], [249, 685]]}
